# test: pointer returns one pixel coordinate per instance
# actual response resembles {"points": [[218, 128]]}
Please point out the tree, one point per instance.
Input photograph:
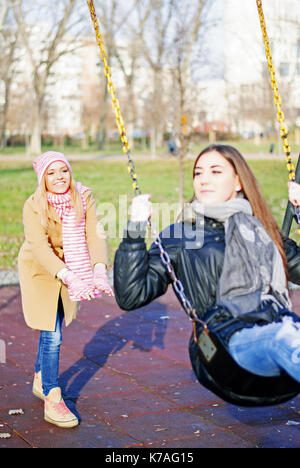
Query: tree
{"points": [[129, 58], [8, 58], [114, 21], [92, 92], [44, 48], [155, 41], [188, 21]]}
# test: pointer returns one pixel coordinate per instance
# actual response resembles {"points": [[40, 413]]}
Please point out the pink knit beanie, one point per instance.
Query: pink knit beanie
{"points": [[43, 161]]}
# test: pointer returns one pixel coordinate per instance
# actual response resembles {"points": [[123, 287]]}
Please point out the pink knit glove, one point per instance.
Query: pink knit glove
{"points": [[78, 289], [101, 281]]}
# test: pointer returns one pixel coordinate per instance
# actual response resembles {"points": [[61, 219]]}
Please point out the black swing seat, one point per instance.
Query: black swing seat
{"points": [[224, 377], [218, 371]]}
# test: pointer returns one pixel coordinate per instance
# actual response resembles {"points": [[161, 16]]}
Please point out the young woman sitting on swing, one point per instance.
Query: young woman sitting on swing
{"points": [[234, 273]]}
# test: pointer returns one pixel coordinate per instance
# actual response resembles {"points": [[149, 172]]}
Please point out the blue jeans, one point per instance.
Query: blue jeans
{"points": [[266, 350], [48, 353]]}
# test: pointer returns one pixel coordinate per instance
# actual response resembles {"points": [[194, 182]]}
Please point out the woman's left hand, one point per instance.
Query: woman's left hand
{"points": [[101, 282], [141, 208], [294, 193]]}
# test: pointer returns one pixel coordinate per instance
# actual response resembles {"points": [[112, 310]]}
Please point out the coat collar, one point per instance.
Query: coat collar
{"points": [[52, 213]]}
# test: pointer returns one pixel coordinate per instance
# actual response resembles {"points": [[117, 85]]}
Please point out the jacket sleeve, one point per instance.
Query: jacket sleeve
{"points": [[95, 234], [38, 241], [292, 252], [139, 275]]}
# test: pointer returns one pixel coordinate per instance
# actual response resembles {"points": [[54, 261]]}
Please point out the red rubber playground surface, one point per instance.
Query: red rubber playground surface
{"points": [[128, 378]]}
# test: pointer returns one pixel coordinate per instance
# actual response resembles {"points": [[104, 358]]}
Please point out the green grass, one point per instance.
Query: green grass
{"points": [[108, 180], [113, 147]]}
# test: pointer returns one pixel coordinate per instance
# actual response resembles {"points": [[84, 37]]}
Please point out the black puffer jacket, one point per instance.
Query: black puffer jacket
{"points": [[140, 276]]}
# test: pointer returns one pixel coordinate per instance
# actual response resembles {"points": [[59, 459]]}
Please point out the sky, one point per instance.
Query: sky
{"points": [[208, 61]]}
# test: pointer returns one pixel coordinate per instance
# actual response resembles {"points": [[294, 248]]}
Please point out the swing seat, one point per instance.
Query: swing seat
{"points": [[218, 371]]}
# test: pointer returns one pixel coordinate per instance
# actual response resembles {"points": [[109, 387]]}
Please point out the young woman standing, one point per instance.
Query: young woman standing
{"points": [[62, 261]]}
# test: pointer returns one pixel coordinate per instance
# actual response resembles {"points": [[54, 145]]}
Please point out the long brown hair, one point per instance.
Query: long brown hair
{"points": [[251, 192], [43, 205]]}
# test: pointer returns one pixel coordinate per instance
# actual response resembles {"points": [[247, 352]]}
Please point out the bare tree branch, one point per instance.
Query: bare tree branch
{"points": [[43, 60]]}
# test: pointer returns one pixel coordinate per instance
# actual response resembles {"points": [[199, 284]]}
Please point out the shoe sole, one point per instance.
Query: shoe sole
{"points": [[66, 425]]}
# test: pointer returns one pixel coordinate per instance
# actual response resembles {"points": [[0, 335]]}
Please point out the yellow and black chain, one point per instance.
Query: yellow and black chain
{"points": [[277, 98], [165, 258]]}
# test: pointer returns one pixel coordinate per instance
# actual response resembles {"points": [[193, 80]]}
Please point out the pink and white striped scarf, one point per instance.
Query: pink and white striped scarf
{"points": [[75, 247]]}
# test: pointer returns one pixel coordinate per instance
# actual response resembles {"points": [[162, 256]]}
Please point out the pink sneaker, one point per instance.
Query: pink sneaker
{"points": [[56, 412]]}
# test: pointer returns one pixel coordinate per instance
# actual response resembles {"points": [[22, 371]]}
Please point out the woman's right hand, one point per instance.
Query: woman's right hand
{"points": [[294, 193], [141, 208], [78, 289]]}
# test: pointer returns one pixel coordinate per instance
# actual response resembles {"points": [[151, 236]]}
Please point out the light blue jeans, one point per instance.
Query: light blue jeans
{"points": [[48, 353], [265, 350]]}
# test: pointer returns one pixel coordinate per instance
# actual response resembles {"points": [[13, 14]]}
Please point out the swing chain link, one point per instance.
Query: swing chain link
{"points": [[177, 284], [277, 98], [165, 258]]}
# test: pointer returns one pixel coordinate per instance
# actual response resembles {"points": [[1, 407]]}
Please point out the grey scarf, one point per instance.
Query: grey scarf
{"points": [[253, 269]]}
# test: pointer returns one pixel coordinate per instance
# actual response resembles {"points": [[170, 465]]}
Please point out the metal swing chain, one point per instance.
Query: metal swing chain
{"points": [[165, 258], [277, 99]]}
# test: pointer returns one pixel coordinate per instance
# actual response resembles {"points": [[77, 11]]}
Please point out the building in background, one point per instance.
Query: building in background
{"points": [[228, 68], [231, 67]]}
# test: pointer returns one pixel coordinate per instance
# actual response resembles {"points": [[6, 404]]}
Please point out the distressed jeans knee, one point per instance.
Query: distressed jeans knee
{"points": [[269, 349], [288, 341]]}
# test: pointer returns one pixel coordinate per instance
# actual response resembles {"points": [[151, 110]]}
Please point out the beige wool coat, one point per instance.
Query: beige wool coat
{"points": [[41, 257]]}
